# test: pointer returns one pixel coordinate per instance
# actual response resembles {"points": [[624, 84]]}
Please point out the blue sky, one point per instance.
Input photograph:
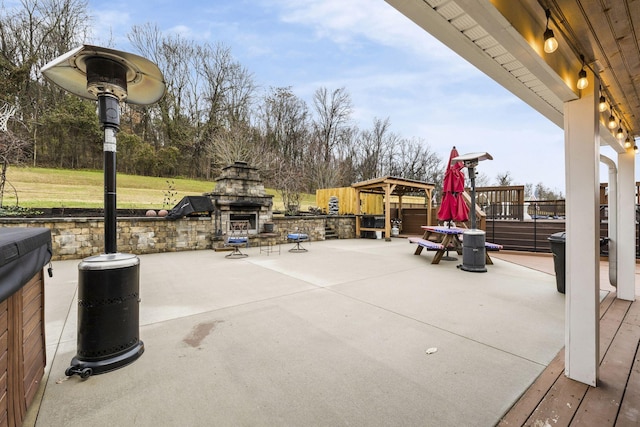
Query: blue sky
{"points": [[390, 67]]}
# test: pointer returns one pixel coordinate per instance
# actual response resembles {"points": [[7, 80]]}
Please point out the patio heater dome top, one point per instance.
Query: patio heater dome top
{"points": [[471, 159], [87, 71]]}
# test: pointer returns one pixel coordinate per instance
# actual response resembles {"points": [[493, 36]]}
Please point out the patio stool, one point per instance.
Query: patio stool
{"points": [[236, 243], [297, 238]]}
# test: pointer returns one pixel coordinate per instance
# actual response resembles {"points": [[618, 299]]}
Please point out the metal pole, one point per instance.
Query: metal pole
{"points": [[472, 176], [109, 115]]}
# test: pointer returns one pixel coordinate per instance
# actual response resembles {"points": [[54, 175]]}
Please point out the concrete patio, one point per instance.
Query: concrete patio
{"points": [[339, 335]]}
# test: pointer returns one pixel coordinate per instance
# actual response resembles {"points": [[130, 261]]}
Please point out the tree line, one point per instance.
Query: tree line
{"points": [[214, 113]]}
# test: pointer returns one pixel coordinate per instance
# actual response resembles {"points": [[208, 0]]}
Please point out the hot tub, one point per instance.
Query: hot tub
{"points": [[23, 254]]}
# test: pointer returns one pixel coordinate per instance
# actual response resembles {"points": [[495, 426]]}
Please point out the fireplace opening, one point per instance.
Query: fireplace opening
{"points": [[250, 217]]}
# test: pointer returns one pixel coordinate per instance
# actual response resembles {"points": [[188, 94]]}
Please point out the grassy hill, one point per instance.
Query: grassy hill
{"points": [[58, 188]]}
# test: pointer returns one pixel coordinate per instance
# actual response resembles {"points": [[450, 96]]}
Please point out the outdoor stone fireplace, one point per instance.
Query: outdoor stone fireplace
{"points": [[239, 195]]}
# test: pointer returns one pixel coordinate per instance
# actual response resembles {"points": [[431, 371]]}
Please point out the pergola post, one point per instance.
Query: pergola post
{"points": [[388, 190], [582, 154], [358, 213]]}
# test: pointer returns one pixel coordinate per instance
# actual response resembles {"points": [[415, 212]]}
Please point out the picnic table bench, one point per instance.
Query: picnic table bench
{"points": [[427, 244], [488, 246]]}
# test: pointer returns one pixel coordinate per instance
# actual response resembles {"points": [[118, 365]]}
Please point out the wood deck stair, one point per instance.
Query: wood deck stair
{"points": [[555, 400]]}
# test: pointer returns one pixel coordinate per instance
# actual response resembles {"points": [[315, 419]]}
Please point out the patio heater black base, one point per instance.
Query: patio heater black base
{"points": [[473, 251], [85, 368], [108, 314]]}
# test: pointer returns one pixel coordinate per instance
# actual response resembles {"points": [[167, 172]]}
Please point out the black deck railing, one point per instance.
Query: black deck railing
{"points": [[527, 227], [543, 209]]}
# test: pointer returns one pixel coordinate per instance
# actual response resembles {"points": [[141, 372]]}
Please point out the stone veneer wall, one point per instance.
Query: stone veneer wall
{"points": [[344, 226], [77, 238]]}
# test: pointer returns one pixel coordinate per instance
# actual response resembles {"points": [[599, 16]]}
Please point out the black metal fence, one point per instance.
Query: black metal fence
{"points": [[542, 209], [527, 227]]}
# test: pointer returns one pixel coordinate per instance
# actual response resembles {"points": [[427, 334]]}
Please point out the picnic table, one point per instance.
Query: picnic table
{"points": [[446, 239]]}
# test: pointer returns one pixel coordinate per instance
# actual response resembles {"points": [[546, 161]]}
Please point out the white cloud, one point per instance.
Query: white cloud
{"points": [[110, 27], [346, 21]]}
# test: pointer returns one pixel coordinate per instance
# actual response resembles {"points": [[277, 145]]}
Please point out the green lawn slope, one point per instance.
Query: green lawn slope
{"points": [[63, 188]]}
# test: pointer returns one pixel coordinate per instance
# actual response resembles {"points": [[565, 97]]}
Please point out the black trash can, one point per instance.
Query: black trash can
{"points": [[558, 242], [604, 246]]}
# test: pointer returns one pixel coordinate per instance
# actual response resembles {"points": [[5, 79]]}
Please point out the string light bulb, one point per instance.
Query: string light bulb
{"points": [[582, 77], [627, 143], [620, 133], [635, 148], [582, 80], [550, 42], [602, 104], [612, 122]]}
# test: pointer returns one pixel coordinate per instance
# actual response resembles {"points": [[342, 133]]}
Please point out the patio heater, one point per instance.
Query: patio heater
{"points": [[473, 250], [108, 284]]}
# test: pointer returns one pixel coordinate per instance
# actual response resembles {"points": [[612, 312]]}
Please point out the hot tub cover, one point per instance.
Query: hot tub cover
{"points": [[23, 253]]}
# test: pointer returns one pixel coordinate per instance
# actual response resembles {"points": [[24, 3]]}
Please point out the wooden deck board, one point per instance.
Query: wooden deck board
{"points": [[606, 303], [633, 316], [528, 402], [553, 399], [601, 404], [559, 405], [610, 324], [629, 414]]}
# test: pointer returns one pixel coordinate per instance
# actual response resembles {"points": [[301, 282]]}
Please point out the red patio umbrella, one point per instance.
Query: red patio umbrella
{"points": [[453, 207]]}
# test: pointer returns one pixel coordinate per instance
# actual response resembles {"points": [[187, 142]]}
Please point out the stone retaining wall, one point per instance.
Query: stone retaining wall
{"points": [[77, 238]]}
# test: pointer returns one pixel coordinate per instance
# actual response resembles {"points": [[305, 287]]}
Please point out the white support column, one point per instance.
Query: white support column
{"points": [[582, 154], [626, 245]]}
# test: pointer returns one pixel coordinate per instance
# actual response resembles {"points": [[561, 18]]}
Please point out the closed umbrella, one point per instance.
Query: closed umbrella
{"points": [[453, 207]]}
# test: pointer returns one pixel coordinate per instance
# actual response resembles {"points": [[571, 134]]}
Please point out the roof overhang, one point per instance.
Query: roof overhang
{"points": [[504, 39]]}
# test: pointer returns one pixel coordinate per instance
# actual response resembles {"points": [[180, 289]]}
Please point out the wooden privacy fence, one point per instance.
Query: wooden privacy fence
{"points": [[347, 203], [371, 203]]}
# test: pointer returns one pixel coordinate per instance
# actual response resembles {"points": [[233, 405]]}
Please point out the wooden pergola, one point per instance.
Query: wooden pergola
{"points": [[390, 186]]}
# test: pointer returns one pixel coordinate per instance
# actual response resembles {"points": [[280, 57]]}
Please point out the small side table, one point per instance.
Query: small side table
{"points": [[269, 247]]}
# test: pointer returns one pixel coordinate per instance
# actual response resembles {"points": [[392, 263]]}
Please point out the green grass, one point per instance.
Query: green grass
{"points": [[57, 188]]}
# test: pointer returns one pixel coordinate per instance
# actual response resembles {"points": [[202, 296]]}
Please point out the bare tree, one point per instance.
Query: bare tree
{"points": [[376, 148], [288, 181], [240, 143], [482, 179], [333, 112], [504, 179], [414, 159], [209, 94], [174, 56], [284, 119], [13, 150], [541, 192], [33, 33]]}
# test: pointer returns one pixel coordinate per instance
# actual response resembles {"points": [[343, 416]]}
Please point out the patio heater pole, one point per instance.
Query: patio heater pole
{"points": [[472, 176], [108, 284], [473, 249], [109, 113]]}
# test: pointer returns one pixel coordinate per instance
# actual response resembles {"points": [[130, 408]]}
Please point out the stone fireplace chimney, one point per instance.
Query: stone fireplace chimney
{"points": [[239, 195]]}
